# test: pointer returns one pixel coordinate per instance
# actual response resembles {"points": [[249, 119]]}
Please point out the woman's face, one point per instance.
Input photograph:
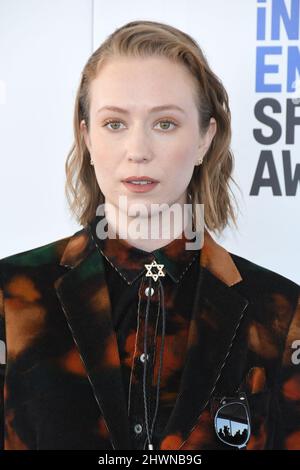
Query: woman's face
{"points": [[139, 141]]}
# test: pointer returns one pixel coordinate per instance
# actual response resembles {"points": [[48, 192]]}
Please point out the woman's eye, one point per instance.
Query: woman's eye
{"points": [[107, 123], [168, 122]]}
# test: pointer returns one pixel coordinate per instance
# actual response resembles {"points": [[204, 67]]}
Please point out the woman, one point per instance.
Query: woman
{"points": [[115, 340]]}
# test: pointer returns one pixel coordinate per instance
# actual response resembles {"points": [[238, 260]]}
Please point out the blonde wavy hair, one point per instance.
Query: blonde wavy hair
{"points": [[210, 181]]}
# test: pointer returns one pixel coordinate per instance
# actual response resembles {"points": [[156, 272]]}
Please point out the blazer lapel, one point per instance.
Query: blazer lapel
{"points": [[84, 298], [215, 319], [85, 301]]}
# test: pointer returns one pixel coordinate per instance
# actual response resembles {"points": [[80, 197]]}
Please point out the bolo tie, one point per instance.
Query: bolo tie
{"points": [[155, 277]]}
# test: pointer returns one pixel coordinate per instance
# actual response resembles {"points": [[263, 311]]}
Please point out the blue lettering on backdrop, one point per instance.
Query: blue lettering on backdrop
{"points": [[278, 21], [284, 25]]}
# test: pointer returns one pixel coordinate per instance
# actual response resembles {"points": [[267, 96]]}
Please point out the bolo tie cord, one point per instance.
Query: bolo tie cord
{"points": [[149, 434], [195, 306]]}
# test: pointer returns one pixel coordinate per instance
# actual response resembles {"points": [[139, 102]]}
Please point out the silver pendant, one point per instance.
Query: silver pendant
{"points": [[160, 272]]}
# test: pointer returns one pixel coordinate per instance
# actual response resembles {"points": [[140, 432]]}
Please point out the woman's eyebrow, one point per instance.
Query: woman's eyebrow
{"points": [[152, 110]]}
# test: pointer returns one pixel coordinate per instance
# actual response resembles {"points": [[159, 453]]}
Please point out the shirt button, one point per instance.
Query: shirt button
{"points": [[142, 357], [149, 291], [138, 428]]}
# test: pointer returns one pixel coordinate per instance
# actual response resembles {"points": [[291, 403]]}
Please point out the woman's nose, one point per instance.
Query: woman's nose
{"points": [[138, 158]]}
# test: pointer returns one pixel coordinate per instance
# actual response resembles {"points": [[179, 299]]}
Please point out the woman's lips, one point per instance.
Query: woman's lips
{"points": [[139, 188]]}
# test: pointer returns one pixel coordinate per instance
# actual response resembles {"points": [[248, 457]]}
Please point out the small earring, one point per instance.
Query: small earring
{"points": [[199, 161], [91, 162]]}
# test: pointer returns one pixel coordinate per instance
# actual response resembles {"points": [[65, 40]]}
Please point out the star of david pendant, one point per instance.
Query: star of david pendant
{"points": [[160, 272]]}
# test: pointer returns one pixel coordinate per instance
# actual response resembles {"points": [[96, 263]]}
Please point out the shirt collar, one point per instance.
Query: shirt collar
{"points": [[130, 261]]}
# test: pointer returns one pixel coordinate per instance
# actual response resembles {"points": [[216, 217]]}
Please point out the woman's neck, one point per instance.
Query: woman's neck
{"points": [[148, 233]]}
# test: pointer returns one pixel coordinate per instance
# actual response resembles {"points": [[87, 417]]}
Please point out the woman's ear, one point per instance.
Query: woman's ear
{"points": [[212, 129], [85, 133], [208, 136]]}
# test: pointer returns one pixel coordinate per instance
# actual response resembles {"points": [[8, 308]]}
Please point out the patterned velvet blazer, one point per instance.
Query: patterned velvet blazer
{"points": [[61, 383]]}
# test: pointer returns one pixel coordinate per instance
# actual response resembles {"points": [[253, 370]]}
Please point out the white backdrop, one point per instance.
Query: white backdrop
{"points": [[44, 45]]}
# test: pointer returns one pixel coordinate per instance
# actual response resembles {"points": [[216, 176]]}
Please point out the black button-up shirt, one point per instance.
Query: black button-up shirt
{"points": [[130, 290]]}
